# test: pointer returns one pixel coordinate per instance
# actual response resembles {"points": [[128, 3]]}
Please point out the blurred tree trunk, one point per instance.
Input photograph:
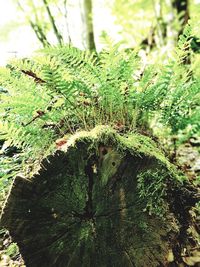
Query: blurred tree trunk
{"points": [[164, 32], [178, 13], [88, 20], [66, 21], [171, 31], [160, 24], [182, 8]]}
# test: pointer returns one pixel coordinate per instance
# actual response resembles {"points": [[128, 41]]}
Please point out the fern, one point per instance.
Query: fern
{"points": [[61, 90]]}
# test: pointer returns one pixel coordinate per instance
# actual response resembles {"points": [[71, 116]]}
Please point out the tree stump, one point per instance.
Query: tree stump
{"points": [[104, 200]]}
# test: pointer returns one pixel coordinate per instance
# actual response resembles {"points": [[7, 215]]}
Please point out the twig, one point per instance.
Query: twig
{"points": [[33, 75], [39, 114]]}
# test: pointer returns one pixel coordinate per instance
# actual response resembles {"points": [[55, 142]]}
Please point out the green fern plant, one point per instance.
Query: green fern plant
{"points": [[62, 90]]}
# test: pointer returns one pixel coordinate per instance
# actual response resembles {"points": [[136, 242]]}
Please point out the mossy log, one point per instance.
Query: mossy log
{"points": [[105, 200]]}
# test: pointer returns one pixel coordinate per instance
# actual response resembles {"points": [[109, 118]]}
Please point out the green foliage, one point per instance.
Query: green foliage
{"points": [[135, 20], [9, 168], [172, 95], [154, 23], [62, 90], [79, 88], [151, 190], [181, 107], [12, 250]]}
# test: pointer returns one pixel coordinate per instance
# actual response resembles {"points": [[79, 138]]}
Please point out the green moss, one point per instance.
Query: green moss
{"points": [[151, 184], [135, 143], [81, 209], [152, 190], [12, 250]]}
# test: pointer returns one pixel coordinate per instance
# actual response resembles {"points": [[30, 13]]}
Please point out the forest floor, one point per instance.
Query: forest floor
{"points": [[187, 158]]}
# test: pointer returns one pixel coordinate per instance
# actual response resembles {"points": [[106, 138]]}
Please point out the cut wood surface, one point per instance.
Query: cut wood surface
{"points": [[104, 200]]}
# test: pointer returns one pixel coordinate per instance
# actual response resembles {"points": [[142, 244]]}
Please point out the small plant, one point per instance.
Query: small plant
{"points": [[12, 250], [151, 190]]}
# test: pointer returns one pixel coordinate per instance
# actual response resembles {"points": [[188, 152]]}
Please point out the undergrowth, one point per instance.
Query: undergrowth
{"points": [[61, 90]]}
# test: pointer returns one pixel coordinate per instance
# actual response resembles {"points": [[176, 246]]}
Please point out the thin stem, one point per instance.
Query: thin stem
{"points": [[52, 21], [36, 28]]}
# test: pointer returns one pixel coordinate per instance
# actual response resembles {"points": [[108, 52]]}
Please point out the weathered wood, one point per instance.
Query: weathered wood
{"points": [[86, 206]]}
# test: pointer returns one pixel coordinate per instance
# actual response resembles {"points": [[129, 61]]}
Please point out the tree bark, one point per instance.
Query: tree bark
{"points": [[104, 200]]}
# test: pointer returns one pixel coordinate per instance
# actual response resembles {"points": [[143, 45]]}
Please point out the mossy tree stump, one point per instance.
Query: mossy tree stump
{"points": [[105, 200]]}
